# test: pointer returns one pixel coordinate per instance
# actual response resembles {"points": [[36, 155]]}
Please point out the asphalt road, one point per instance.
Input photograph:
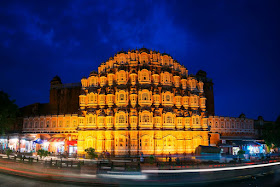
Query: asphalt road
{"points": [[260, 180], [13, 181]]}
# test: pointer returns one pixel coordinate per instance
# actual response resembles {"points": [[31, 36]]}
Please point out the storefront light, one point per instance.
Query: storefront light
{"points": [[46, 143], [58, 143]]}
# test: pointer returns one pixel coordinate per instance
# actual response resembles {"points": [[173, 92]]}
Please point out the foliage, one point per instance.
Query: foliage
{"points": [[151, 159], [241, 152], [91, 152], [271, 133], [8, 112], [43, 153], [8, 152]]}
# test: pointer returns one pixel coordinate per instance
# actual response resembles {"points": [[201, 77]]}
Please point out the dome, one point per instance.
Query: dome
{"points": [[143, 49], [56, 80]]}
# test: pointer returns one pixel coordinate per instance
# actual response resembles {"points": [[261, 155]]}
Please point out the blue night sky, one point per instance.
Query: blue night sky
{"points": [[236, 42]]}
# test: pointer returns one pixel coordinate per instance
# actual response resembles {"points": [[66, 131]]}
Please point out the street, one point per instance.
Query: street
{"points": [[260, 180]]}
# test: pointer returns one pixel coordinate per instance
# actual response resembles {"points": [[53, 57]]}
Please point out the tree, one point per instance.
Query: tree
{"points": [[241, 152], [8, 152], [91, 152], [152, 159], [8, 112], [271, 133], [43, 153]]}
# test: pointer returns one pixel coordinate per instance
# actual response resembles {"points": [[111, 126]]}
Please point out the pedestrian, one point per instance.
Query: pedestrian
{"points": [[177, 161], [141, 159], [170, 159]]}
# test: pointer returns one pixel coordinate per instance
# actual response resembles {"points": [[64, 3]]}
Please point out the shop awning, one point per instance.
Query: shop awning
{"points": [[240, 143], [56, 140], [38, 141], [29, 139], [73, 142]]}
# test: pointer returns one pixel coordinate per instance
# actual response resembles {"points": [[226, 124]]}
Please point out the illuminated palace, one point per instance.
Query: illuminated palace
{"points": [[140, 101]]}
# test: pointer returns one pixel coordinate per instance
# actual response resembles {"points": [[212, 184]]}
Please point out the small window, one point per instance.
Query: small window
{"points": [[145, 96], [145, 118], [60, 123], [121, 119], [169, 119], [168, 98], [54, 124]]}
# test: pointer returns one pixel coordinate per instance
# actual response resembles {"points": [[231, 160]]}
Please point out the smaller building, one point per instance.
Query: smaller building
{"points": [[232, 134], [55, 133]]}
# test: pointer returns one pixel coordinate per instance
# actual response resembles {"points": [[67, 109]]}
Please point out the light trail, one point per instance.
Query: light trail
{"points": [[211, 169], [123, 175]]}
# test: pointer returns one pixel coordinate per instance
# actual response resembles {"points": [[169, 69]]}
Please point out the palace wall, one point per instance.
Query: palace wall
{"points": [[232, 127]]}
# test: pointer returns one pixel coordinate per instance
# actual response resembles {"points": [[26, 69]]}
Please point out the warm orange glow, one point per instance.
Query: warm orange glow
{"points": [[140, 101]]}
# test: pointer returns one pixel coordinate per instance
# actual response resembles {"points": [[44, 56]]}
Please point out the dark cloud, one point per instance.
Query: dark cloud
{"points": [[236, 42]]}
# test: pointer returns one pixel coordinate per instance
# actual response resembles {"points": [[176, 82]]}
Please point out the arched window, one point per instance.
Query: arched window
{"points": [[121, 97], [146, 118], [145, 96], [121, 119], [145, 76], [167, 97], [54, 124], [169, 119], [166, 78], [90, 120]]}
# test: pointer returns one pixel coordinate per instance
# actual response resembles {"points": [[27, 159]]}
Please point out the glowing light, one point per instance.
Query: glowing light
{"points": [[14, 139], [58, 143], [121, 175], [250, 149], [211, 169], [46, 143]]}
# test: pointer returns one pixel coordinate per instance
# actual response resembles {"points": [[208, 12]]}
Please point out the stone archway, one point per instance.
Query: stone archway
{"points": [[169, 144], [146, 145], [90, 142]]}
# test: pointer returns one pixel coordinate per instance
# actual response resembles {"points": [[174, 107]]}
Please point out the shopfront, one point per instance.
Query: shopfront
{"points": [[56, 145], [3, 143], [72, 147], [26, 145], [13, 143], [254, 148]]}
